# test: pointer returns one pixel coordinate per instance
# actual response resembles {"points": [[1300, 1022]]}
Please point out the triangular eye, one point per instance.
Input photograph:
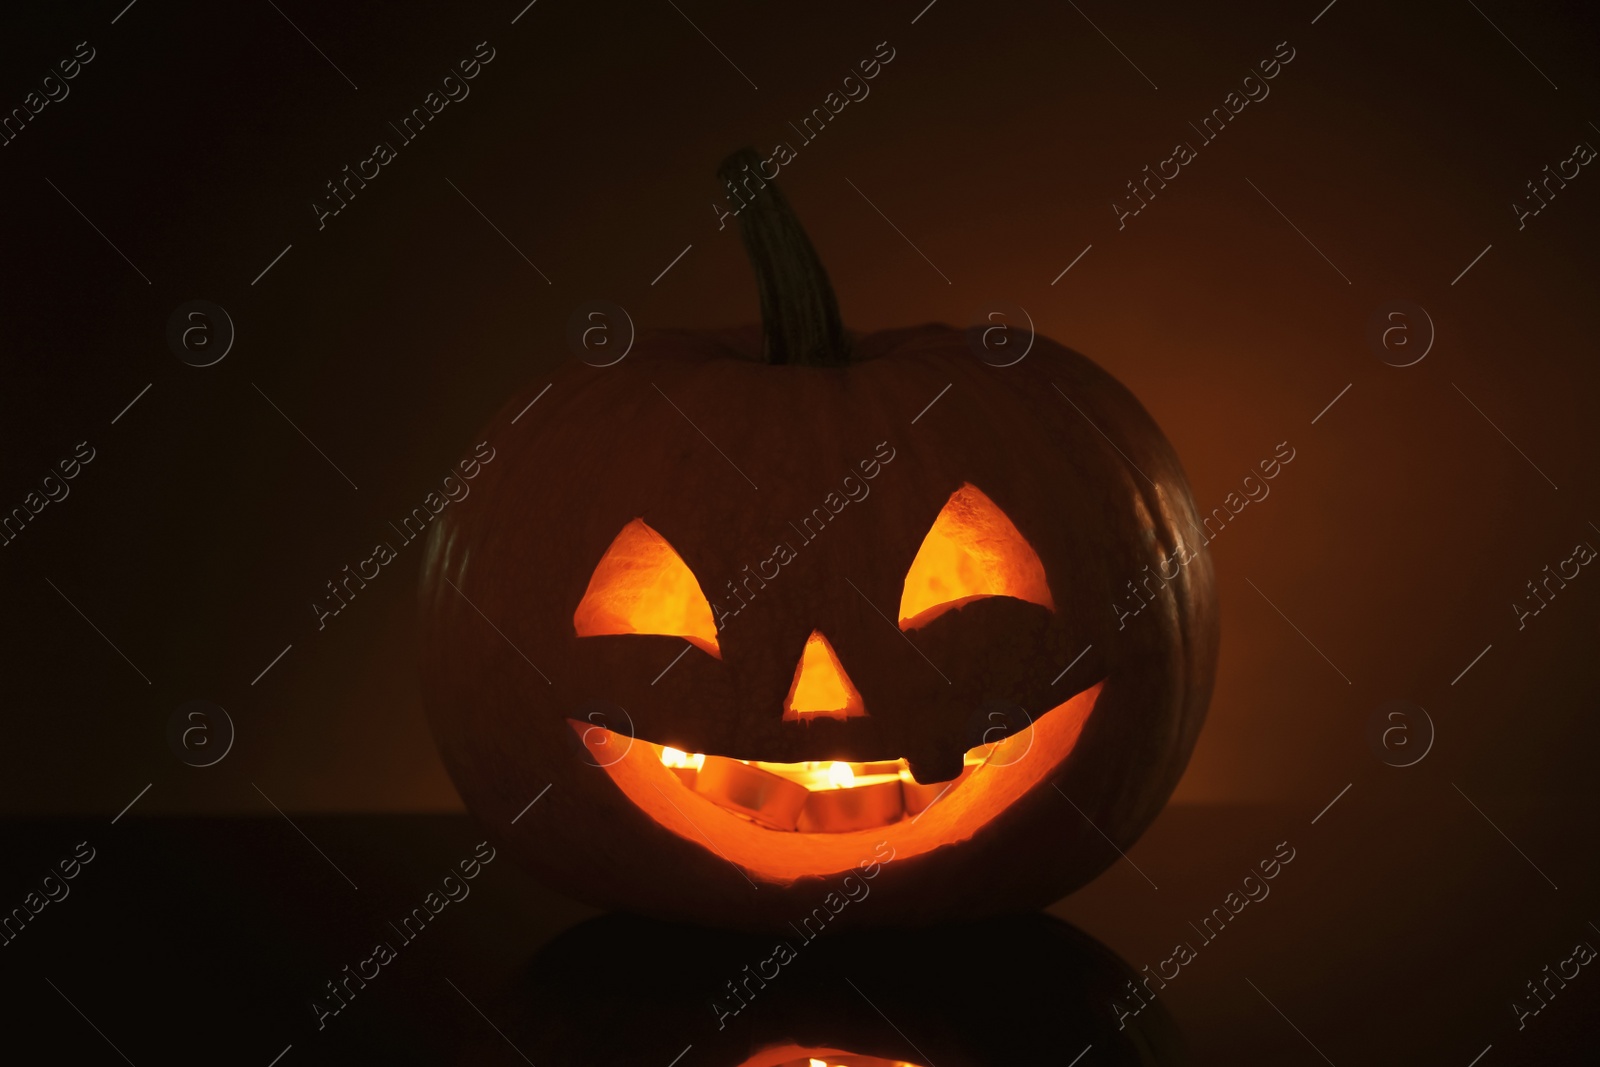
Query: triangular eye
{"points": [[971, 551], [642, 586]]}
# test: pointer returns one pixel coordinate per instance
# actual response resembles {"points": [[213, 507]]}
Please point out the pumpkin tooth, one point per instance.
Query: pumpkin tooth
{"points": [[930, 768]]}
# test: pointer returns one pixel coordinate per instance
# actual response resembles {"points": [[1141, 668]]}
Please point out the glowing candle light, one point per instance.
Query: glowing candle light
{"points": [[686, 765]]}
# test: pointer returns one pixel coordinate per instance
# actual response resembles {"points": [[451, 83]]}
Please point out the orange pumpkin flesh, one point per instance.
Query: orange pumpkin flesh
{"points": [[978, 554], [821, 686]]}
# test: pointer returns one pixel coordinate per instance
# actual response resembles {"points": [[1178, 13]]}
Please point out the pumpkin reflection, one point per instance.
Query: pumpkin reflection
{"points": [[624, 990]]}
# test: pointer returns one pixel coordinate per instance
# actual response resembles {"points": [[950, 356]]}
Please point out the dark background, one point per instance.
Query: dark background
{"points": [[996, 140]]}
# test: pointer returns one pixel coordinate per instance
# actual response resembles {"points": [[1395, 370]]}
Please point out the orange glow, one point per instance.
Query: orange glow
{"points": [[813, 774], [1016, 767], [788, 1055], [821, 686], [971, 551], [642, 586]]}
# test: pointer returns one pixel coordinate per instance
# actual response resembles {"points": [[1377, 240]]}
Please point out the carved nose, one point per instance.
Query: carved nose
{"points": [[821, 687]]}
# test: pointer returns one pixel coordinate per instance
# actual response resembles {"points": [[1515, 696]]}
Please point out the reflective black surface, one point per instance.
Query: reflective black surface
{"points": [[616, 989], [1395, 933]]}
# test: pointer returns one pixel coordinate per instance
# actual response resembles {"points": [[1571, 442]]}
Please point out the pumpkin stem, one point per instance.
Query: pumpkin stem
{"points": [[799, 315]]}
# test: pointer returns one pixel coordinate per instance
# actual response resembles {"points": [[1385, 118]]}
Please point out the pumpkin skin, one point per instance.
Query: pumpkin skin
{"points": [[1090, 484]]}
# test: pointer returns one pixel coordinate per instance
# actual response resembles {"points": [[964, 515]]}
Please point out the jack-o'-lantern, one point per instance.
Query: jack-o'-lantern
{"points": [[750, 612]]}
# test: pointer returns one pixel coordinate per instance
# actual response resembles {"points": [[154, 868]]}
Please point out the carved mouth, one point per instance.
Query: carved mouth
{"points": [[785, 821]]}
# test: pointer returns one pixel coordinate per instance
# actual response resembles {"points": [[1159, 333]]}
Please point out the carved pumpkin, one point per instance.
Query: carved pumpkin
{"points": [[763, 608]]}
